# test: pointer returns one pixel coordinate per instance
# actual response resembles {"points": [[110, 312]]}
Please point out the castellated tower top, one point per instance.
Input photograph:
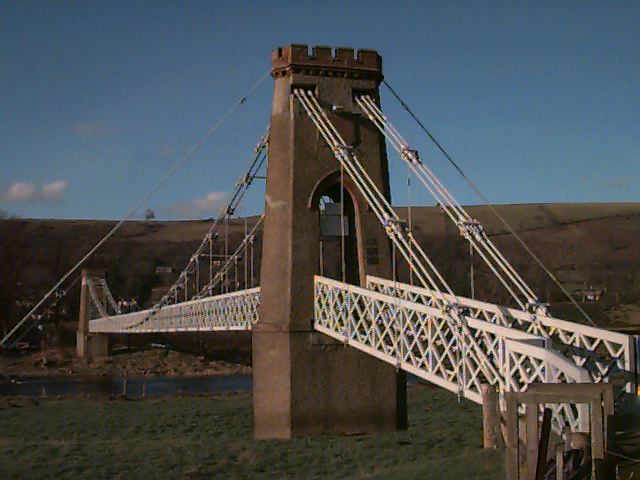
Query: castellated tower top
{"points": [[326, 61]]}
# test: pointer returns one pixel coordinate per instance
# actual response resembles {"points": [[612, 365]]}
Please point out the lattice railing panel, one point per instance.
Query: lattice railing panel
{"points": [[231, 311], [603, 353]]}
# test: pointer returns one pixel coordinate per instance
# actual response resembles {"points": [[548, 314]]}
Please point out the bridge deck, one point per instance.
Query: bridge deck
{"points": [[230, 311]]}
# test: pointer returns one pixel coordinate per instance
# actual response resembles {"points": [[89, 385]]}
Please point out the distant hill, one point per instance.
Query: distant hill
{"points": [[584, 244]]}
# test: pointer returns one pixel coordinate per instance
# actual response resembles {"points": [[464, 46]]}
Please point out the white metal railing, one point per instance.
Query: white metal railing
{"points": [[98, 306], [109, 296], [417, 338], [231, 311], [603, 353]]}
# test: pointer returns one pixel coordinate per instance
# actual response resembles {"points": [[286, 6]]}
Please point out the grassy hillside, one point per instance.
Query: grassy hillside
{"points": [[584, 244]]}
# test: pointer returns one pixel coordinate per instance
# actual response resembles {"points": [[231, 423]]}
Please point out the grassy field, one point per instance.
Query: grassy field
{"points": [[211, 437]]}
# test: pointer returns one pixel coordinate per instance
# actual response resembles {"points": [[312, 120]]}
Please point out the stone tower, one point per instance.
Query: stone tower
{"points": [[89, 345], [305, 383]]}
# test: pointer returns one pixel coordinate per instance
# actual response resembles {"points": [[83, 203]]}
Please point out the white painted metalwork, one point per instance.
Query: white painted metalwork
{"points": [[230, 311], [109, 296], [97, 307], [606, 355], [416, 338], [102, 302]]}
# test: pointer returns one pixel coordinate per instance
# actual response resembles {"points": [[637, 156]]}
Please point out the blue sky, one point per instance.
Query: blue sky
{"points": [[538, 102]]}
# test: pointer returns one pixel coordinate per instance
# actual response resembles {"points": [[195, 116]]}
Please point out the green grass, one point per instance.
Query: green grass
{"points": [[211, 437]]}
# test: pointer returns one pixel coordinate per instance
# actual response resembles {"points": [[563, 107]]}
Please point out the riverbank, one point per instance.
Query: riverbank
{"points": [[59, 362], [211, 437]]}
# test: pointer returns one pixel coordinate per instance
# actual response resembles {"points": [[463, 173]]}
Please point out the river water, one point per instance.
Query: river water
{"points": [[135, 387], [36, 387]]}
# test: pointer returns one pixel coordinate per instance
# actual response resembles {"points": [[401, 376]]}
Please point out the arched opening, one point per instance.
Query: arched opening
{"points": [[338, 235]]}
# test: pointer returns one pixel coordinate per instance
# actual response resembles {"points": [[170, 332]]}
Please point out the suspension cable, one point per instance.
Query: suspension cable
{"points": [[380, 205], [342, 229], [251, 244], [232, 260], [471, 274], [58, 297], [210, 239], [220, 274], [226, 252], [472, 184], [246, 249], [409, 217], [136, 207], [469, 228]]}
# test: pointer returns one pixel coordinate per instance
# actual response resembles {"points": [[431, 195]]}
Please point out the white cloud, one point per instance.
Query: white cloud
{"points": [[29, 192], [208, 204], [20, 192], [53, 191], [210, 201], [88, 129]]}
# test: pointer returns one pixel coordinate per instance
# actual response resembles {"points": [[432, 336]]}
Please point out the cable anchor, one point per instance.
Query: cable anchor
{"points": [[471, 229], [410, 155], [346, 149], [395, 225], [536, 307]]}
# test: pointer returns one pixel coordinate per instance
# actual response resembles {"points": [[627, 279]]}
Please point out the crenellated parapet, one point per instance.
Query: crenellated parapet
{"points": [[326, 61]]}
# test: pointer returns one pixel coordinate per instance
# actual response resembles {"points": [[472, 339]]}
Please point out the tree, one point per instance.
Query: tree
{"points": [[149, 214]]}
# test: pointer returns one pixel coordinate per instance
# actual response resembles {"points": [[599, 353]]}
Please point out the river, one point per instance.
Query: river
{"points": [[37, 387]]}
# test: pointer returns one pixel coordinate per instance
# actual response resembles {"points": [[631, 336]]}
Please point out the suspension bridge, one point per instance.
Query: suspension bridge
{"points": [[333, 329]]}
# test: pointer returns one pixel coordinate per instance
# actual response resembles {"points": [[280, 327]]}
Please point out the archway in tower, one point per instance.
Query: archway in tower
{"points": [[338, 235]]}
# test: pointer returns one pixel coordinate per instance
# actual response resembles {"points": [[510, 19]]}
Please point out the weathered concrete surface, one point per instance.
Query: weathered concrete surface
{"points": [[304, 386]]}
